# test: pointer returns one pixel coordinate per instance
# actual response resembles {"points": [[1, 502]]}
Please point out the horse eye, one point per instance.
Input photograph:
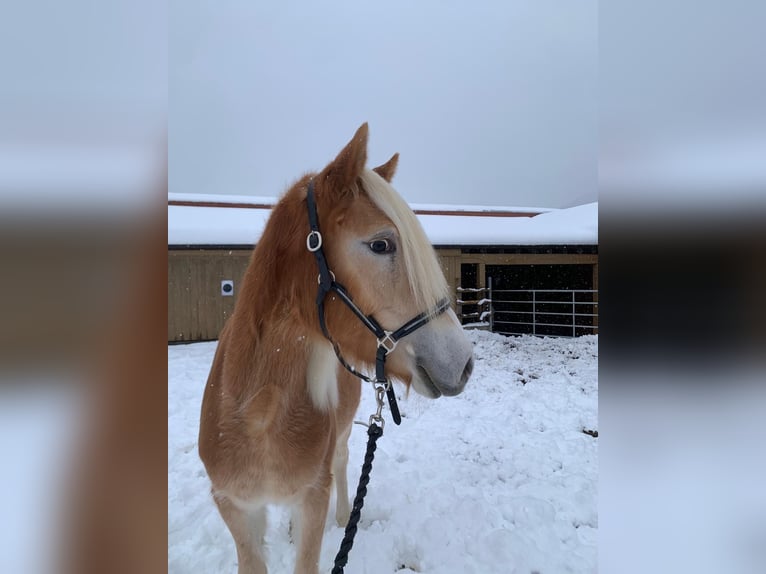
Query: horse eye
{"points": [[381, 246]]}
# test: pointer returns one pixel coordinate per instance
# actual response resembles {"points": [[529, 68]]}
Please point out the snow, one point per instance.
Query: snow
{"points": [[573, 226], [196, 225], [500, 479]]}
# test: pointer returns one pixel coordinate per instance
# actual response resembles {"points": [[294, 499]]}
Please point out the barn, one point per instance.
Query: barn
{"points": [[511, 270]]}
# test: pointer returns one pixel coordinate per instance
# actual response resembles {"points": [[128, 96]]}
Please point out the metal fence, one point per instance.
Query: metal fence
{"points": [[548, 312], [479, 314]]}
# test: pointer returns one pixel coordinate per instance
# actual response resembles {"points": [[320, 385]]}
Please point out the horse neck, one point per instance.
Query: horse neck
{"points": [[277, 300]]}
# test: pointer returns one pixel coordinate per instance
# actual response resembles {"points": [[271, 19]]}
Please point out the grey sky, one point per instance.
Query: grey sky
{"points": [[488, 102]]}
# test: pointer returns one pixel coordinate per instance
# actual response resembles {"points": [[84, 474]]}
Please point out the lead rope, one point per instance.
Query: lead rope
{"points": [[374, 432]]}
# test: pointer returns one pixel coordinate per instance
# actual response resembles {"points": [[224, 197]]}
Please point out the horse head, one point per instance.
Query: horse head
{"points": [[377, 250]]}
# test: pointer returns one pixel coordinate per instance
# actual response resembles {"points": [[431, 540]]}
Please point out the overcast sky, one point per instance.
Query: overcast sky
{"points": [[488, 103]]}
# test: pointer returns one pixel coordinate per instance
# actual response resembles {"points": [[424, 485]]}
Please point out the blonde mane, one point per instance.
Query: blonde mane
{"points": [[425, 277]]}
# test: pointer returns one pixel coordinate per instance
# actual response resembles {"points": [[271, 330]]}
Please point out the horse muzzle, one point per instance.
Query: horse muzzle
{"points": [[431, 385]]}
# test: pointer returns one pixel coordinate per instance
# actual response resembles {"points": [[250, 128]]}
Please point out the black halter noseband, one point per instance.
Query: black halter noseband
{"points": [[387, 340]]}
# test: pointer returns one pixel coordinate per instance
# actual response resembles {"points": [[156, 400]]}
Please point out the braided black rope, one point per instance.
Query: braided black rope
{"points": [[374, 433]]}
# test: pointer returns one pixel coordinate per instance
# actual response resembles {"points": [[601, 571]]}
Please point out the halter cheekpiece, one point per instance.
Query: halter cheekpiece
{"points": [[386, 340]]}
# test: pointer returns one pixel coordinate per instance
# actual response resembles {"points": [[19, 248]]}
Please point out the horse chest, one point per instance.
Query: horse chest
{"points": [[291, 460]]}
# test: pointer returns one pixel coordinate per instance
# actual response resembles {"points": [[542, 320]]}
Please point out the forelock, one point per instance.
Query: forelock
{"points": [[424, 274]]}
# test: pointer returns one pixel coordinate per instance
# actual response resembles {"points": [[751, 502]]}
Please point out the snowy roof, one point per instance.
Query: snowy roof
{"points": [[197, 221]]}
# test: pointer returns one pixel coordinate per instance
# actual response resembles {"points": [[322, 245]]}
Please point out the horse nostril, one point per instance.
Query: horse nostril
{"points": [[467, 371]]}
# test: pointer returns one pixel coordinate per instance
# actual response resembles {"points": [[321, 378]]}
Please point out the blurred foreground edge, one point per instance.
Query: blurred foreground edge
{"points": [[115, 518]]}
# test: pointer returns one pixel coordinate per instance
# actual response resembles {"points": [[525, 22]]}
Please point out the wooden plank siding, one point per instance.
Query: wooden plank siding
{"points": [[449, 259], [197, 311]]}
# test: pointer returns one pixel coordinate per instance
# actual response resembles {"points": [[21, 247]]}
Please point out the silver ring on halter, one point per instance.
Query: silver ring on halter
{"points": [[387, 342], [318, 246]]}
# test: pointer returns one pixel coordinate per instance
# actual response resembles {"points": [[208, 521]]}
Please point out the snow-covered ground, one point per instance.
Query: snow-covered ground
{"points": [[500, 479]]}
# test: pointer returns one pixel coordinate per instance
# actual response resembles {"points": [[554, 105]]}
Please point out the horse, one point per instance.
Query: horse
{"points": [[278, 405]]}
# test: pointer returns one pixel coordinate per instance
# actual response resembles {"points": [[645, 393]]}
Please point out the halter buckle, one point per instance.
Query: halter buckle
{"points": [[319, 278], [317, 237], [387, 342]]}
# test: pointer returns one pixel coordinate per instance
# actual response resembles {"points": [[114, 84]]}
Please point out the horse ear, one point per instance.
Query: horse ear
{"points": [[349, 164], [388, 169]]}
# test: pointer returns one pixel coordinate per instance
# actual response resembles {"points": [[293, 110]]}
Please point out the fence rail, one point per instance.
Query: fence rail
{"points": [[549, 312]]}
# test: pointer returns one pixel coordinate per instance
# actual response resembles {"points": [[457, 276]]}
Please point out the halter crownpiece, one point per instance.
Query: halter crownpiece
{"points": [[386, 340]]}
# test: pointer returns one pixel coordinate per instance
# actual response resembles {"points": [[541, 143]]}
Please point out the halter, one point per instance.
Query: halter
{"points": [[387, 340]]}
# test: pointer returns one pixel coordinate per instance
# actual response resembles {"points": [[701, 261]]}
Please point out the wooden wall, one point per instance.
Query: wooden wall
{"points": [[197, 310]]}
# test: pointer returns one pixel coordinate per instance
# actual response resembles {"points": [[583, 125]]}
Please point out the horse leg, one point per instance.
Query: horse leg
{"points": [[339, 470], [313, 513], [247, 528]]}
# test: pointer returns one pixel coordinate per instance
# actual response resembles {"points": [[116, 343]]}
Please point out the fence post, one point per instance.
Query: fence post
{"points": [[490, 306], [534, 308], [573, 313]]}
